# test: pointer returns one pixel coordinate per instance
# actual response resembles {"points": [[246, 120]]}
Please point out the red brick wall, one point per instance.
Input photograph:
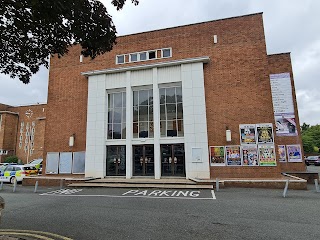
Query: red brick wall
{"points": [[38, 117], [281, 63], [237, 85]]}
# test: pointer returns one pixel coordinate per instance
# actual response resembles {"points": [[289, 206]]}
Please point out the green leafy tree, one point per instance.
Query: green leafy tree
{"points": [[11, 159], [32, 30], [311, 138]]}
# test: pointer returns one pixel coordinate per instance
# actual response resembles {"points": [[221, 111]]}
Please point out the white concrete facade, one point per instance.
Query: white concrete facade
{"points": [[187, 73]]}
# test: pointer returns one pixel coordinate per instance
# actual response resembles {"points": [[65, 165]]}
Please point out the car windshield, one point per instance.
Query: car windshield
{"points": [[312, 157], [36, 161]]}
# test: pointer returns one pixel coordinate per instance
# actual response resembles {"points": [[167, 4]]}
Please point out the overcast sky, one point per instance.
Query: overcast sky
{"points": [[290, 26]]}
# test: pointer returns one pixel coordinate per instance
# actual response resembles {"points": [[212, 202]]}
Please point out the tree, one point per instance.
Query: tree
{"points": [[311, 138], [32, 30]]}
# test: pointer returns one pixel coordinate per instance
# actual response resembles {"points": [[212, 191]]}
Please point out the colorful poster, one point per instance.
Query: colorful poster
{"points": [[217, 156], [282, 153], [264, 133], [233, 157], [250, 155], [294, 153], [247, 133], [267, 156], [285, 125]]}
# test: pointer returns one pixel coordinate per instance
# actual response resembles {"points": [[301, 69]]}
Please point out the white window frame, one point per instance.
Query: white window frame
{"points": [[166, 49], [124, 59]]}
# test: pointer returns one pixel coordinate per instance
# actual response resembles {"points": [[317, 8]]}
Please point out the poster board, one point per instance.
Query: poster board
{"points": [[217, 156], [282, 153], [233, 155], [267, 156], [78, 166], [52, 163], [250, 155], [294, 153], [264, 133], [65, 163], [285, 125], [247, 134], [197, 155]]}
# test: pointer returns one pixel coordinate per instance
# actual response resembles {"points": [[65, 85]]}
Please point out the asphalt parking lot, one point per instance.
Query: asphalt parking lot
{"points": [[110, 213]]}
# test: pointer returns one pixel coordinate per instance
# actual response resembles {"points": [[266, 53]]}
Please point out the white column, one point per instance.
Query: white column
{"points": [[156, 125], [129, 106]]}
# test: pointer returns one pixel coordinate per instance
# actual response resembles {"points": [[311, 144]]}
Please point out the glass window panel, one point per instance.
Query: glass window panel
{"points": [[150, 97], [151, 113], [143, 97], [117, 112], [179, 94], [143, 129], [179, 111], [170, 95], [123, 115], [110, 100], [163, 128], [133, 57], [109, 131], [120, 59], [135, 129], [110, 117], [135, 98], [143, 113], [143, 56], [123, 130], [162, 96], [166, 53], [172, 129], [135, 113], [162, 112], [171, 111], [117, 99], [151, 129], [152, 54], [116, 131], [180, 128], [124, 100]]}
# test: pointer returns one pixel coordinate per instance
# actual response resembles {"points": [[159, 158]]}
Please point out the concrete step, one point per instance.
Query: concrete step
{"points": [[141, 185], [175, 181]]}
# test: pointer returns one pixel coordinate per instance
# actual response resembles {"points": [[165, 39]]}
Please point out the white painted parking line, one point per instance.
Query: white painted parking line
{"points": [[63, 191], [213, 195]]}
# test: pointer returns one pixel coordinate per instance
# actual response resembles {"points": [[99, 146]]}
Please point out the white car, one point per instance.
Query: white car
{"points": [[18, 172]]}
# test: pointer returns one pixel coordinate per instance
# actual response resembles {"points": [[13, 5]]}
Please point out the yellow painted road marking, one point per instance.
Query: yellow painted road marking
{"points": [[20, 232]]}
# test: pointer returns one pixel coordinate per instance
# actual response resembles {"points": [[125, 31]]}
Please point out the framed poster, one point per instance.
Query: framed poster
{"points": [[217, 156], [232, 155], [282, 153], [264, 133], [285, 125], [65, 163], [52, 163], [294, 153], [267, 156], [247, 133], [250, 155]]}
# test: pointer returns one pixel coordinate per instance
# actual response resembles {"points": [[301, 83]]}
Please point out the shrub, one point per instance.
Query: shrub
{"points": [[11, 159]]}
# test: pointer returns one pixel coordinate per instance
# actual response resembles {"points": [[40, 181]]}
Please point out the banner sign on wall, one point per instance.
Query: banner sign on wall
{"points": [[282, 153], [247, 133], [217, 156], [233, 157], [285, 125], [294, 153], [264, 133], [250, 155], [267, 156], [283, 107]]}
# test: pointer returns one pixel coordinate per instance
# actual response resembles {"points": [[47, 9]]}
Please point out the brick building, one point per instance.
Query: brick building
{"points": [[196, 101], [22, 131]]}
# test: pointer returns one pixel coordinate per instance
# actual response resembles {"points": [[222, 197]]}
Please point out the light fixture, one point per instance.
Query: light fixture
{"points": [[71, 140]]}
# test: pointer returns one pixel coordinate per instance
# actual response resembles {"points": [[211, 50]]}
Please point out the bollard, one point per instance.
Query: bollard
{"points": [[217, 184], [286, 188], [1, 185], [317, 185], [36, 187], [14, 185]]}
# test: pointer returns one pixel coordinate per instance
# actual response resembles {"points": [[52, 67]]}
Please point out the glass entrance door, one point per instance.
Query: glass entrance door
{"points": [[172, 160], [143, 160], [116, 160]]}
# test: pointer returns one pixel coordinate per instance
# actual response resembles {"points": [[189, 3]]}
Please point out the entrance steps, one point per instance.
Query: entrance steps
{"points": [[141, 182]]}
